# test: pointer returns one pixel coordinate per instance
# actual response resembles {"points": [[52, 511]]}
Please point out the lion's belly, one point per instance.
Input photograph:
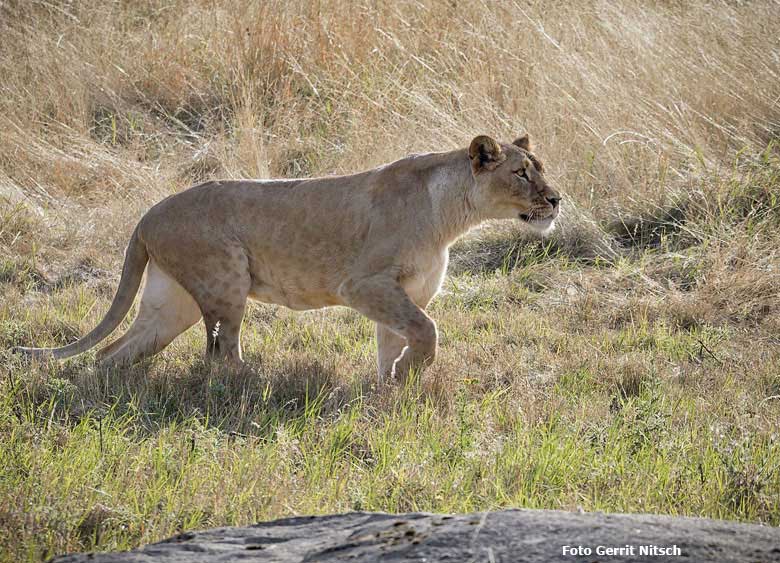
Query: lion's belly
{"points": [[297, 290], [299, 301]]}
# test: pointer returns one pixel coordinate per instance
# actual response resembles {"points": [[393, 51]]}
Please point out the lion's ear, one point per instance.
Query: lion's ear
{"points": [[485, 153], [523, 142]]}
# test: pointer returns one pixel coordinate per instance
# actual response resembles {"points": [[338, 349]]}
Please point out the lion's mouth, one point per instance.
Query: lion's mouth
{"points": [[531, 218]]}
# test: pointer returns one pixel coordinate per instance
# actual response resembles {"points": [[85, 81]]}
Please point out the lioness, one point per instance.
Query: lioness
{"points": [[376, 241]]}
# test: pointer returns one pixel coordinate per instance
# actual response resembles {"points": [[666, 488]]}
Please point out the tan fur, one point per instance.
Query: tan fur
{"points": [[376, 241]]}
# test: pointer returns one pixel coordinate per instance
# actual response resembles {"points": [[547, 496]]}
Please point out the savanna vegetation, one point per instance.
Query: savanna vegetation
{"points": [[628, 362]]}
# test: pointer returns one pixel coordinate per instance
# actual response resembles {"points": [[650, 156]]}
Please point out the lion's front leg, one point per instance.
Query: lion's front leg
{"points": [[384, 301], [389, 346]]}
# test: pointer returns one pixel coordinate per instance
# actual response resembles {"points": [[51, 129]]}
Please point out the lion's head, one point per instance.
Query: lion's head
{"points": [[510, 183]]}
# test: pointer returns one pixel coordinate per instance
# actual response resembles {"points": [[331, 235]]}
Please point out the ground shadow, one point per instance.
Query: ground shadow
{"points": [[251, 400]]}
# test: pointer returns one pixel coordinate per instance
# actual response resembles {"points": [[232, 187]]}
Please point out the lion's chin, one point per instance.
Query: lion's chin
{"points": [[541, 226]]}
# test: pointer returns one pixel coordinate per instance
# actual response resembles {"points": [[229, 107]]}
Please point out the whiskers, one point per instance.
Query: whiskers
{"points": [[539, 214]]}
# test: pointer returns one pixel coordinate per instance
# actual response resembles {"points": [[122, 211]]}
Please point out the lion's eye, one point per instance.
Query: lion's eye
{"points": [[521, 173]]}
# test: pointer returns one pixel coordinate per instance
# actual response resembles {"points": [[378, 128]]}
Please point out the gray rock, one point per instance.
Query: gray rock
{"points": [[510, 536]]}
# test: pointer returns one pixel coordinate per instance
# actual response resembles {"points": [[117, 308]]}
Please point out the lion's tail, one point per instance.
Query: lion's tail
{"points": [[136, 258]]}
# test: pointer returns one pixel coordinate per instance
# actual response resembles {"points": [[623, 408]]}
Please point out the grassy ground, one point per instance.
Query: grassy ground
{"points": [[630, 362]]}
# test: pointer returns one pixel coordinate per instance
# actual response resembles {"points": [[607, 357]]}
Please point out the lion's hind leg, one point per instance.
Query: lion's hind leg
{"points": [[222, 315], [166, 310]]}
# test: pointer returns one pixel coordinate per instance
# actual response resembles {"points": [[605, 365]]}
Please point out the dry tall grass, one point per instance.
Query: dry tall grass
{"points": [[124, 102], [628, 363]]}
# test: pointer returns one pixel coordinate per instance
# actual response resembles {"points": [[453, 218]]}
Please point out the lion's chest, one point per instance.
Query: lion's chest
{"points": [[427, 275]]}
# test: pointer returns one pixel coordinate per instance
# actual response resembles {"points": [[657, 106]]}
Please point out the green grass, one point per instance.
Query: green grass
{"points": [[542, 397]]}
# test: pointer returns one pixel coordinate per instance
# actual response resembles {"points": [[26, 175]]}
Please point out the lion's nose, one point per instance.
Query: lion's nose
{"points": [[554, 201]]}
